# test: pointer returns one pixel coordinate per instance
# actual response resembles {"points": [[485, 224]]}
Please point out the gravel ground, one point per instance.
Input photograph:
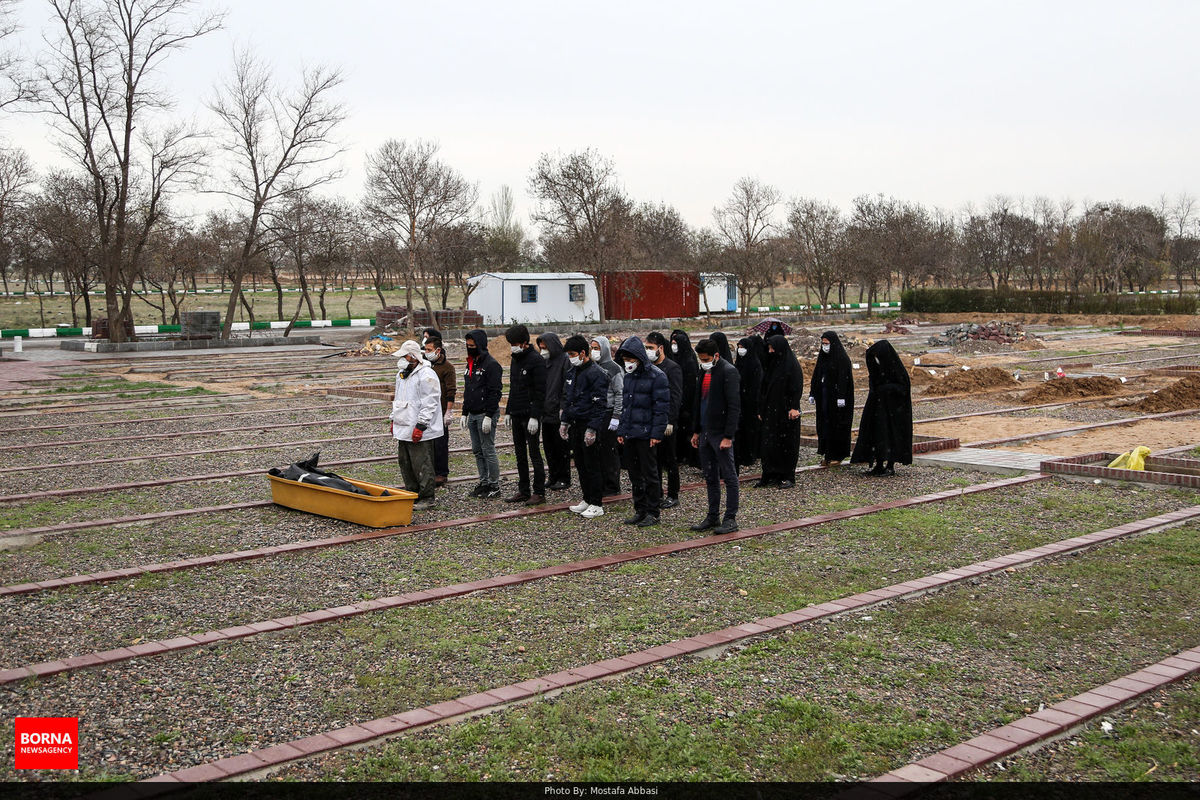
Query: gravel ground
{"points": [[843, 700], [329, 675], [196, 600]]}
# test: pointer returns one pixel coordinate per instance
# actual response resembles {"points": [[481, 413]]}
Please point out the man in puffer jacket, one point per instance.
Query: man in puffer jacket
{"points": [[481, 409], [584, 415], [644, 418], [416, 421], [610, 455]]}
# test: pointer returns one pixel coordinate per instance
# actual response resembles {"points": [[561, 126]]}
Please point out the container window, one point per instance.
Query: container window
{"points": [[577, 294], [529, 293]]}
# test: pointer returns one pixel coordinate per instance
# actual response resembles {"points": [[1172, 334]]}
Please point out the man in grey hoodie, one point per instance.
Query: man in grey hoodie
{"points": [[558, 452], [610, 455]]}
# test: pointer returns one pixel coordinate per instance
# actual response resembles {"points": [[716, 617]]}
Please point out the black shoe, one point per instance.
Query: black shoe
{"points": [[786, 484], [727, 526], [635, 519], [519, 497], [706, 524], [763, 483], [558, 486], [876, 470], [479, 490], [669, 502], [490, 492], [648, 521], [890, 471]]}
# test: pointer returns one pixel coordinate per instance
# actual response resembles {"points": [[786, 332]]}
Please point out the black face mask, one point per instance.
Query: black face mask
{"points": [[472, 351]]}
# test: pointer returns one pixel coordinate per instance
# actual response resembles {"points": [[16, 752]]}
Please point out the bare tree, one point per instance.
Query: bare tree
{"points": [[16, 176], [280, 144], [817, 234], [97, 85], [744, 224], [413, 195], [585, 216], [18, 85], [661, 239], [505, 239]]}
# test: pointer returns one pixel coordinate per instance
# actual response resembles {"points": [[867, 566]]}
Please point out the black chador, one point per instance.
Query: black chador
{"points": [[885, 430], [832, 391]]}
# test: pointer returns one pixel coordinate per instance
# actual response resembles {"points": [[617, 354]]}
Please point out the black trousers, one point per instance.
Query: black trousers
{"points": [[441, 452], [558, 452], [664, 454], [528, 449], [610, 462], [587, 463], [642, 465], [718, 467]]}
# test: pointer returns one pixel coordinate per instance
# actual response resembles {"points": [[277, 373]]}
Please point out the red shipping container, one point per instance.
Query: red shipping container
{"points": [[650, 294]]}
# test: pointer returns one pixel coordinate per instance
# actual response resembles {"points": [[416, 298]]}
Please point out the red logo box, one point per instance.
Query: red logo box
{"points": [[47, 743]]}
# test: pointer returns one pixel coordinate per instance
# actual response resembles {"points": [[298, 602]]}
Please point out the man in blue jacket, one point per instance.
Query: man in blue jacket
{"points": [[717, 410], [584, 414], [481, 409], [645, 413]]}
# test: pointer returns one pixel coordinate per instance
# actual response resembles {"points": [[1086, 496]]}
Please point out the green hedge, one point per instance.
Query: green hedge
{"points": [[987, 301]]}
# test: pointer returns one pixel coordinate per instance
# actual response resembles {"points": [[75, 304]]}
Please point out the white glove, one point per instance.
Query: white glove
{"points": [[613, 424], [589, 438], [841, 402], [812, 401], [486, 427], [532, 427], [506, 421], [462, 422], [667, 431], [562, 431]]}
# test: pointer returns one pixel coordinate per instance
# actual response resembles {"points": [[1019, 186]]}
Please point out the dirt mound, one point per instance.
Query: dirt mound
{"points": [[1183, 394], [1069, 388], [972, 380]]}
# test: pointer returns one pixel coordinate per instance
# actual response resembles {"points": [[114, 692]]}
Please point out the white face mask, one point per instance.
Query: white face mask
{"points": [[741, 351], [630, 366], [824, 348], [674, 348], [575, 361], [516, 349], [652, 353], [706, 365], [545, 353], [595, 355]]}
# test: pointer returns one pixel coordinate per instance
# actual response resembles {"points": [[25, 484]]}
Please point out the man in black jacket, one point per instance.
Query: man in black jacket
{"points": [[481, 408], [526, 400], [717, 410], [585, 413], [558, 453], [656, 349]]}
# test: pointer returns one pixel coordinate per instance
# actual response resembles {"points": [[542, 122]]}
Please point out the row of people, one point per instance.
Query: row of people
{"points": [[646, 407]]}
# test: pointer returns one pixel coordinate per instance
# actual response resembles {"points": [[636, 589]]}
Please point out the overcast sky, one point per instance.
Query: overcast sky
{"points": [[945, 103]]}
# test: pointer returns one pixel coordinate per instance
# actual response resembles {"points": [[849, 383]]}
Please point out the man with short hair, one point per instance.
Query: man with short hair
{"points": [[435, 354], [644, 413], [416, 421], [664, 453], [585, 413], [481, 407], [717, 410], [526, 399]]}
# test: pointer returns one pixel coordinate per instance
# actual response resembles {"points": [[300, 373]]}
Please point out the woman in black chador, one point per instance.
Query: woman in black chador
{"points": [[885, 430], [783, 386], [750, 369], [832, 392], [681, 353]]}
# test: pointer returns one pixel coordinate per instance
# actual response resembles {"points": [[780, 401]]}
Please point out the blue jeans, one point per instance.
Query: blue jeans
{"points": [[717, 466], [483, 447]]}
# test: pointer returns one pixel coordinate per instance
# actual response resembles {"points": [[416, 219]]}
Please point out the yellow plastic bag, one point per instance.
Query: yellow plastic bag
{"points": [[1135, 459]]}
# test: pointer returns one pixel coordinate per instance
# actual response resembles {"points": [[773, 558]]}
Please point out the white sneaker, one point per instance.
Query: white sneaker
{"points": [[592, 511], [580, 507]]}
